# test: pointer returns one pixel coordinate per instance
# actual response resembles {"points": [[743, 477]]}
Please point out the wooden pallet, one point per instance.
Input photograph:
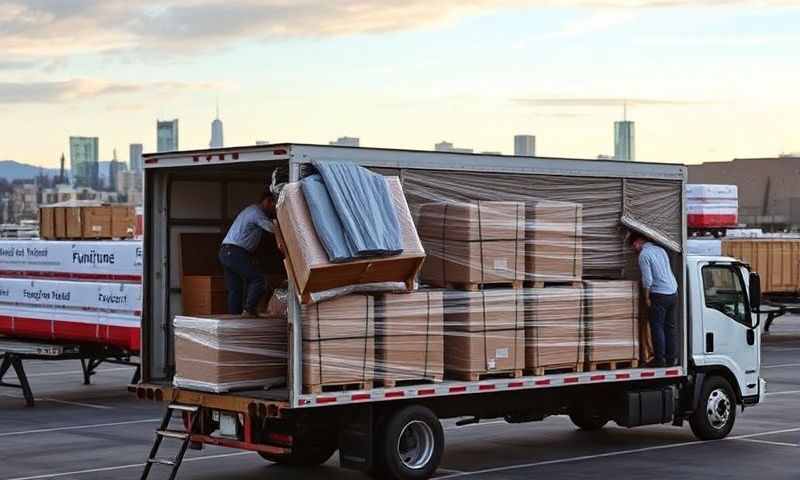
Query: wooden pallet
{"points": [[337, 387], [392, 383], [612, 364], [475, 287], [555, 369], [477, 376], [541, 284]]}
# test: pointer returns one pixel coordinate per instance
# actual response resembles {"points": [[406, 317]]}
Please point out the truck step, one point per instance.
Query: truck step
{"points": [[162, 461], [183, 408], [173, 434]]}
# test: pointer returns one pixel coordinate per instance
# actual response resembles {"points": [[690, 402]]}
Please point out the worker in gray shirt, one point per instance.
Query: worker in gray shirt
{"points": [[238, 259], [660, 295]]}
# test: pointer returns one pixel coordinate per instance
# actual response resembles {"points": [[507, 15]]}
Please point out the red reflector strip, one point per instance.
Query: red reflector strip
{"points": [[326, 399], [303, 401], [221, 156], [395, 394], [458, 389], [673, 372], [236, 155], [623, 376], [543, 382], [195, 158], [360, 396], [486, 387], [648, 374], [279, 152], [209, 157], [426, 391], [151, 160], [597, 378], [571, 380], [516, 384]]}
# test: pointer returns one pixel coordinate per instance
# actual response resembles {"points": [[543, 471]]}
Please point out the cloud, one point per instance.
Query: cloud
{"points": [[58, 28], [82, 89], [602, 102], [16, 64]]}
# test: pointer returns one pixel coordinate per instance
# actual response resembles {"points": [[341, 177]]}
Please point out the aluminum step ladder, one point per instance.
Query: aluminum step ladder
{"points": [[164, 432]]}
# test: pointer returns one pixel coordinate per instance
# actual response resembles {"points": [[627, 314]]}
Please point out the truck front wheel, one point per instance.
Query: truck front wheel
{"points": [[716, 412], [411, 445]]}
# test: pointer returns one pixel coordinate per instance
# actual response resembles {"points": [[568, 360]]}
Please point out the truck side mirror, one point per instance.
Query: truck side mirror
{"points": [[755, 291]]}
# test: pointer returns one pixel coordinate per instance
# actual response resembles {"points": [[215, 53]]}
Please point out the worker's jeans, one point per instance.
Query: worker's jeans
{"points": [[662, 327], [240, 269]]}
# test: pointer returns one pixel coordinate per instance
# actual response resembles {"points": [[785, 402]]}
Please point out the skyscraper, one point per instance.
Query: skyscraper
{"points": [[525, 145], [346, 142], [135, 157], [216, 132], [114, 169], [83, 161], [449, 147], [167, 135], [624, 140]]}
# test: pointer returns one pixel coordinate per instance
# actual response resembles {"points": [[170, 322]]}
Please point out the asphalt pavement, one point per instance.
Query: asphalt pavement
{"points": [[100, 431]]}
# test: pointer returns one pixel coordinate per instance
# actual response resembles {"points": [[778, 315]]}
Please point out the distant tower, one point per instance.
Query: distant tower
{"points": [[346, 142], [525, 145], [625, 138], [216, 132], [61, 177], [167, 135]]}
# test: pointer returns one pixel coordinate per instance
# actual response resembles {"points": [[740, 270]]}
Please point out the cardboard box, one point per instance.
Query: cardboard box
{"points": [[123, 221], [453, 262], [47, 223], [472, 221], [306, 258], [95, 221], [484, 333], [777, 261], [408, 336], [339, 342], [225, 353], [611, 320], [553, 328], [553, 241], [204, 295], [60, 222]]}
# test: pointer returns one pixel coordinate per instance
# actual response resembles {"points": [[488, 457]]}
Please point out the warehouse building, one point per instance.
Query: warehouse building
{"points": [[769, 196]]}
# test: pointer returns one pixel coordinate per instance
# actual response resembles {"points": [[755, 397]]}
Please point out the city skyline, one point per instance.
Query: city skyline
{"points": [[562, 72]]}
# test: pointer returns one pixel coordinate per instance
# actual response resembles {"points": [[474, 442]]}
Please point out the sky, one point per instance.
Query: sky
{"points": [[703, 80]]}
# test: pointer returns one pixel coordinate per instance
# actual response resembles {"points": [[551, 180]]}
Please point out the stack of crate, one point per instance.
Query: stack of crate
{"points": [[78, 222]]}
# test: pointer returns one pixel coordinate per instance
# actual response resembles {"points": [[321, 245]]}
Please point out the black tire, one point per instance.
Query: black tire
{"points": [[416, 431], [304, 454], [588, 419], [715, 415]]}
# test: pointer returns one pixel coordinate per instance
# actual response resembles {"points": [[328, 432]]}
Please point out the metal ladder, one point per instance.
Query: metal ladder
{"points": [[164, 432]]}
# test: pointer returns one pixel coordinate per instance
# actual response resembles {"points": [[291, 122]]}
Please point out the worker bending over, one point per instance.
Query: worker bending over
{"points": [[238, 259], [661, 297]]}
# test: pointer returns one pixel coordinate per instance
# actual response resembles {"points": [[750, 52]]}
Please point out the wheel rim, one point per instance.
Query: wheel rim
{"points": [[415, 445], [718, 409]]}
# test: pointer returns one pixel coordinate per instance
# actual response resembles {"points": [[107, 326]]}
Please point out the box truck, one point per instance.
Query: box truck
{"points": [[393, 430]]}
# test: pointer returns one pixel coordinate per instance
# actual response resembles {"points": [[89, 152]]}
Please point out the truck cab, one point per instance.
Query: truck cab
{"points": [[724, 341]]}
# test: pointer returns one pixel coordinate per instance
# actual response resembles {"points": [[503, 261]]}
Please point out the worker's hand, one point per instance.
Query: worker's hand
{"points": [[647, 301]]}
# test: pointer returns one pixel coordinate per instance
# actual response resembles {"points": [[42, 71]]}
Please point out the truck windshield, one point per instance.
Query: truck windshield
{"points": [[724, 292]]}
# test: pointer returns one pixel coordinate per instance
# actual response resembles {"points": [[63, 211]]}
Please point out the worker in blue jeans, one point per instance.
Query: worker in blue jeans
{"points": [[661, 296], [238, 260]]}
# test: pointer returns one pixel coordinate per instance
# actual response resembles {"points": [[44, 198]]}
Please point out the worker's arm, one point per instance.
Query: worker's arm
{"points": [[647, 277], [264, 222]]}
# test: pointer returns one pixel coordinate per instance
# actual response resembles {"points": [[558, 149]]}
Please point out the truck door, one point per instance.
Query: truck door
{"points": [[731, 337]]}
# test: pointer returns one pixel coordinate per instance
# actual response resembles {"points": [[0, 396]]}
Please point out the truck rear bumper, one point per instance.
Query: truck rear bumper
{"points": [[230, 402]]}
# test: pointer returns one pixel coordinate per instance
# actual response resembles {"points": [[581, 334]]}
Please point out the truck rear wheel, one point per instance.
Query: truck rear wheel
{"points": [[716, 412], [411, 445]]}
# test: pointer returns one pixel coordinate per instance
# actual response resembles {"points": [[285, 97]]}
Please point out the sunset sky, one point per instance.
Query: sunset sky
{"points": [[703, 83]]}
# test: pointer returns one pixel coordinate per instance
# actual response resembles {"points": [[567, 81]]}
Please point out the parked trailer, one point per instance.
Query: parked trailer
{"points": [[395, 432]]}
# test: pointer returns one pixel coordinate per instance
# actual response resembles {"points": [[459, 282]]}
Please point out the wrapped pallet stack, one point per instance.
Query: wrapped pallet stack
{"points": [[484, 333], [611, 322], [554, 333], [84, 292], [226, 353], [553, 242], [471, 244], [409, 337]]}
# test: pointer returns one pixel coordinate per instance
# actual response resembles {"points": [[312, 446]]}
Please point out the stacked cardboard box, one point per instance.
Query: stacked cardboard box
{"points": [[611, 320], [553, 329], [204, 295], [553, 241], [409, 339], [472, 243], [339, 343], [86, 221], [484, 333], [225, 353]]}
